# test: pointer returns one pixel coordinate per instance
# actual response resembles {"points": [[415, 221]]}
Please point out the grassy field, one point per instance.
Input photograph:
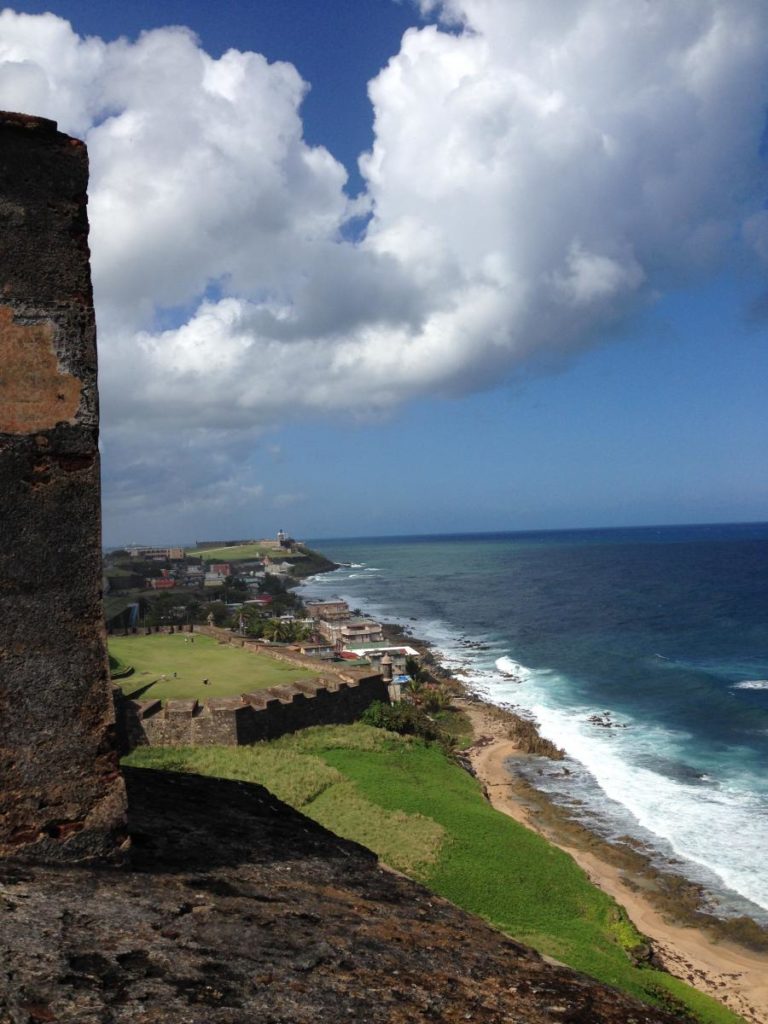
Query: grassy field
{"points": [[426, 817], [230, 671], [242, 552]]}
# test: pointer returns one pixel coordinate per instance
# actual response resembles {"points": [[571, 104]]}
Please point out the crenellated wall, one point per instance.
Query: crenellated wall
{"points": [[260, 715]]}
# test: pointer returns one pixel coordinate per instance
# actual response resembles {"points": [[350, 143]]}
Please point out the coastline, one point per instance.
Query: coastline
{"points": [[736, 976], [683, 940]]}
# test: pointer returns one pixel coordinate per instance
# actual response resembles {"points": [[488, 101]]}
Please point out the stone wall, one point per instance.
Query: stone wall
{"points": [[260, 715], [61, 795]]}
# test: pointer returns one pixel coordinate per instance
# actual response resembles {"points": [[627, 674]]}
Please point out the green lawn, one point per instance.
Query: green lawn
{"points": [[426, 816], [242, 552], [230, 670]]}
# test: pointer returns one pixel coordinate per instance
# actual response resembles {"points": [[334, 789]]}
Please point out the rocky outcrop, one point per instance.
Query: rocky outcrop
{"points": [[237, 909]]}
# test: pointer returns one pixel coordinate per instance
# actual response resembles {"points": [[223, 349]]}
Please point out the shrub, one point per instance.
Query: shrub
{"points": [[406, 719], [435, 698]]}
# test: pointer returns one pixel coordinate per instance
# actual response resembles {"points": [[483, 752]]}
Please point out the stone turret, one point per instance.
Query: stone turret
{"points": [[61, 794]]}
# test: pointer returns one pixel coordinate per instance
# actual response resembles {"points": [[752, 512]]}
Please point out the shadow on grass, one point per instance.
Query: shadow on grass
{"points": [[139, 693], [180, 821]]}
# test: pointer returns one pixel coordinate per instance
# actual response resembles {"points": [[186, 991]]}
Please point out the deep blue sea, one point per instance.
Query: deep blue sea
{"points": [[664, 628]]}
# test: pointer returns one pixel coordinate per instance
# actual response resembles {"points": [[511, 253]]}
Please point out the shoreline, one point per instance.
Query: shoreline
{"points": [[685, 941], [725, 970]]}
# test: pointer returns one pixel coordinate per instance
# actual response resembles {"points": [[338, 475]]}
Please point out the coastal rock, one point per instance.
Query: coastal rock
{"points": [[606, 721], [237, 909]]}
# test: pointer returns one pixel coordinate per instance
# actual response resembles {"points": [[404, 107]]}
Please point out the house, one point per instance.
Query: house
{"points": [[397, 657], [214, 579], [351, 632], [161, 583], [361, 630], [373, 650], [277, 568], [157, 554], [329, 611], [194, 577], [317, 649]]}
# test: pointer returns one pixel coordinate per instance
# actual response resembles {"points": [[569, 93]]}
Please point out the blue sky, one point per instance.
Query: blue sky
{"points": [[569, 367]]}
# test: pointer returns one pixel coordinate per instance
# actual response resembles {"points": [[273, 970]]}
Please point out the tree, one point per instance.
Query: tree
{"points": [[219, 612], [277, 631], [253, 620]]}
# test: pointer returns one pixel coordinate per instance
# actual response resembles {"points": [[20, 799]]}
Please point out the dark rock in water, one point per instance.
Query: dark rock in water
{"points": [[606, 721], [237, 909]]}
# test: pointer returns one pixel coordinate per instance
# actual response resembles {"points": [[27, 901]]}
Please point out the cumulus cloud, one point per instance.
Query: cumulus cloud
{"points": [[538, 172]]}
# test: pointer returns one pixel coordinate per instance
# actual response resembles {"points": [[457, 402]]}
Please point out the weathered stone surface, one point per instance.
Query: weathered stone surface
{"points": [[61, 795], [237, 909]]}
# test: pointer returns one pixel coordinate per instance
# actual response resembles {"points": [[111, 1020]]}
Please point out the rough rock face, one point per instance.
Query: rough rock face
{"points": [[62, 797], [237, 909]]}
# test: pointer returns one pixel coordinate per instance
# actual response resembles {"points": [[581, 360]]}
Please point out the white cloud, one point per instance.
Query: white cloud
{"points": [[539, 171]]}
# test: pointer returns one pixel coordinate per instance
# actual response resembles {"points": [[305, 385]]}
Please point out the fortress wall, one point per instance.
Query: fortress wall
{"points": [[62, 797], [260, 715]]}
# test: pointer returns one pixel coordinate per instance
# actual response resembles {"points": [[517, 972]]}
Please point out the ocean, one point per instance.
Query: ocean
{"points": [[660, 631]]}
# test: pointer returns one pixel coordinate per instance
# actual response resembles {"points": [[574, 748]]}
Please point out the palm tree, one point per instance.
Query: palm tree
{"points": [[415, 691], [277, 631]]}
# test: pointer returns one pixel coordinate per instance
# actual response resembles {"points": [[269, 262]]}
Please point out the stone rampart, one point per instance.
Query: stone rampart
{"points": [[258, 715]]}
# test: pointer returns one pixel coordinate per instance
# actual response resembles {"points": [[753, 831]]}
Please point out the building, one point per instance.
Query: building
{"points": [[164, 582], [161, 583], [157, 554], [214, 579], [398, 656], [317, 649], [329, 611], [351, 632]]}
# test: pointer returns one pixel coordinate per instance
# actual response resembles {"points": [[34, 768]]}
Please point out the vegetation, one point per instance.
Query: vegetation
{"points": [[405, 719], [455, 723], [170, 666], [311, 562], [244, 553], [118, 669], [424, 815], [525, 734], [429, 696], [284, 631]]}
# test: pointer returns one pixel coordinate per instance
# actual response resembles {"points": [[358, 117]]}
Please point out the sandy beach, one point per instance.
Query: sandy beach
{"points": [[734, 975]]}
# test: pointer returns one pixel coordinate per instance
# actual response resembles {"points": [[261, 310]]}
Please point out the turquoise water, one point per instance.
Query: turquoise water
{"points": [[664, 628]]}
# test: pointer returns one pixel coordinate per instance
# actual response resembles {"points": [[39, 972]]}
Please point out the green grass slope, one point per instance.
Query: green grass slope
{"points": [[427, 817], [243, 552], [230, 670]]}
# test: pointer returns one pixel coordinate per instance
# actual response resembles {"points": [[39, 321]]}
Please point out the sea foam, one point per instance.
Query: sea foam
{"points": [[681, 812], [512, 669], [613, 780]]}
